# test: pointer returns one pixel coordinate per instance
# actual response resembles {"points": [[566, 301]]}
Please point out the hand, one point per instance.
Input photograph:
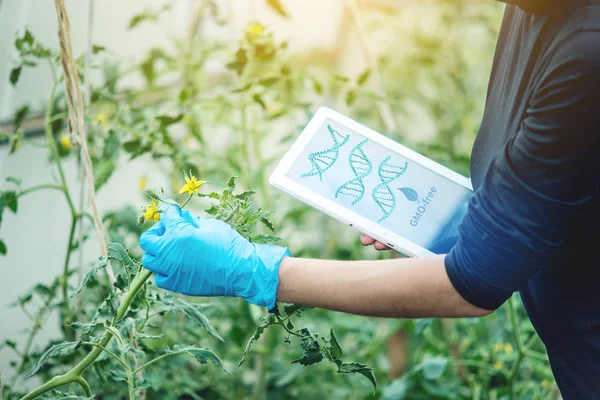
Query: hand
{"points": [[206, 257], [368, 241]]}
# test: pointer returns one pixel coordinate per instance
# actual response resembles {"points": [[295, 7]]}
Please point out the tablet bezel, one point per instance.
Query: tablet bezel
{"points": [[281, 181]]}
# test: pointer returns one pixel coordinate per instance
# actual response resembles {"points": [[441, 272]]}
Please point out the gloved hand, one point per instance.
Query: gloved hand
{"points": [[206, 257]]}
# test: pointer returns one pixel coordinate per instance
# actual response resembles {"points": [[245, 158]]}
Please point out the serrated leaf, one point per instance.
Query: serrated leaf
{"points": [[54, 351], [143, 336], [231, 182], [202, 355], [85, 327], [363, 77], [102, 172], [312, 349], [278, 8], [2, 247], [15, 73], [257, 333], [118, 375], [335, 349], [358, 368], [195, 316], [101, 264], [266, 222], [297, 309], [263, 238], [117, 252]]}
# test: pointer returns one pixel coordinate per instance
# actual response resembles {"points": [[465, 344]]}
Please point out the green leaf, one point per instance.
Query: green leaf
{"points": [[167, 120], [54, 351], [263, 238], [117, 252], [118, 375], [231, 182], [111, 145], [269, 81], [351, 98], [242, 89], [266, 222], [10, 199], [102, 172], [2, 247], [85, 327], [96, 49], [194, 315], [335, 350], [240, 61], [257, 333], [312, 349], [15, 73], [20, 115], [297, 309], [278, 8], [258, 99], [14, 180], [364, 77], [8, 343], [358, 368], [143, 336], [341, 78], [318, 87], [433, 368], [101, 264], [202, 355]]}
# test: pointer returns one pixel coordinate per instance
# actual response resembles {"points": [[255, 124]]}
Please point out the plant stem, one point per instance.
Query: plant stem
{"points": [[76, 371], [40, 187], [84, 385], [522, 351], [65, 275]]}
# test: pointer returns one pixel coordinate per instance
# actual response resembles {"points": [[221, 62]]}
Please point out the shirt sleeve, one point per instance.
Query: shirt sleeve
{"points": [[537, 189]]}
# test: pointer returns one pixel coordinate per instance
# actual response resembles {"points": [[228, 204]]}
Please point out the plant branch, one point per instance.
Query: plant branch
{"points": [[40, 187], [110, 353], [84, 385]]}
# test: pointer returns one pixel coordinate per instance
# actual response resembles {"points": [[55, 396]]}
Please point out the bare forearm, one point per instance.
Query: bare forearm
{"points": [[399, 288]]}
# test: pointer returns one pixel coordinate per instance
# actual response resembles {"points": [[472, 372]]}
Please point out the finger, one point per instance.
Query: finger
{"points": [[380, 246], [151, 238], [366, 240], [171, 216], [190, 218], [162, 281], [153, 263]]}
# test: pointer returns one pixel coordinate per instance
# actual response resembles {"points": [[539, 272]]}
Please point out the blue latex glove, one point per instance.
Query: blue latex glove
{"points": [[206, 257]]}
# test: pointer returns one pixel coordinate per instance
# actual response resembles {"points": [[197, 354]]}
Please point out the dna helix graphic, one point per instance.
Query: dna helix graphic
{"points": [[361, 167], [382, 193], [323, 160]]}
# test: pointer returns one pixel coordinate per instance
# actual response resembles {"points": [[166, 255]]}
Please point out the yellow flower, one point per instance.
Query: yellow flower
{"points": [[497, 347], [191, 186], [508, 349], [545, 384], [498, 364], [142, 182], [255, 29], [152, 212], [65, 142], [101, 120]]}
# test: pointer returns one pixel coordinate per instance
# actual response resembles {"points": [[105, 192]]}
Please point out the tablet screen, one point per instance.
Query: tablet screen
{"points": [[383, 186]]}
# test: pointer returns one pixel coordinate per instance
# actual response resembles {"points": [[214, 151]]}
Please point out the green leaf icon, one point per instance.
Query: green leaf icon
{"points": [[409, 193]]}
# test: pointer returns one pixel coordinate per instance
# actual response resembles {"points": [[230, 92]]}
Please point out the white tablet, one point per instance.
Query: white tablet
{"points": [[370, 182]]}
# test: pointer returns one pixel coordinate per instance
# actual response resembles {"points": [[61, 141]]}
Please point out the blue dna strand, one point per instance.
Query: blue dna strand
{"points": [[382, 194], [323, 160], [361, 167]]}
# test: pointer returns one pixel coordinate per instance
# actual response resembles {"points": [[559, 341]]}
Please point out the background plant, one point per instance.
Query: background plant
{"points": [[256, 109]]}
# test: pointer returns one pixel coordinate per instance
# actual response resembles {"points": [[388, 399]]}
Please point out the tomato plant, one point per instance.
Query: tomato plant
{"points": [[122, 336]]}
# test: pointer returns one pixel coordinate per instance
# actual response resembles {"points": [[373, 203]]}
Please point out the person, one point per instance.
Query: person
{"points": [[531, 226]]}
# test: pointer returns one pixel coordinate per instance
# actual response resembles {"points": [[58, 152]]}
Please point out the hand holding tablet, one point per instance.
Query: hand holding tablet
{"points": [[366, 180]]}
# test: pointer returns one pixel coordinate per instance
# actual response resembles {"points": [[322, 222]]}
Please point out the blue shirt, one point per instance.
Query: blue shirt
{"points": [[533, 223]]}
